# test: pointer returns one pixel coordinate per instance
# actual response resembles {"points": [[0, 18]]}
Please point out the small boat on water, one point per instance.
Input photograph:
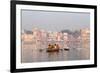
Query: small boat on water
{"points": [[53, 48], [67, 49], [40, 50]]}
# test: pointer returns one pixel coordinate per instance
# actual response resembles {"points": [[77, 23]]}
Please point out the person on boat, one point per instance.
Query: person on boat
{"points": [[49, 46], [57, 46]]}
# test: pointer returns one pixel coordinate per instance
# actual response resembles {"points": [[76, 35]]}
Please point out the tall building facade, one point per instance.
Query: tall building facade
{"points": [[85, 38]]}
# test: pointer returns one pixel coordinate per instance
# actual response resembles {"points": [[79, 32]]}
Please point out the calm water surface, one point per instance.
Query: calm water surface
{"points": [[29, 54]]}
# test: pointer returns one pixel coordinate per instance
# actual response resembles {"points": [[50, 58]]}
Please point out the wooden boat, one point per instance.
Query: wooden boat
{"points": [[53, 48]]}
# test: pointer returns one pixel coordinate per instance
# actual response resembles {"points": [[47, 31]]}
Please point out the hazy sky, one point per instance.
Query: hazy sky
{"points": [[54, 21]]}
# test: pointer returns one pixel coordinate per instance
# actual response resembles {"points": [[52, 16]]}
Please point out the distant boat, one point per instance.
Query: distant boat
{"points": [[41, 50], [67, 49]]}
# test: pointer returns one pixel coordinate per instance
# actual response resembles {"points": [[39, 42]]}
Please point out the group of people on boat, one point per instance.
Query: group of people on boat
{"points": [[54, 47]]}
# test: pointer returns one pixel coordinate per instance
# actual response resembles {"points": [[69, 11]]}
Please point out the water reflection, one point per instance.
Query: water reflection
{"points": [[29, 54]]}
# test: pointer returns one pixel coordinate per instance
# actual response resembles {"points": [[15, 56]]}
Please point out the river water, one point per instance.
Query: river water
{"points": [[29, 54]]}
